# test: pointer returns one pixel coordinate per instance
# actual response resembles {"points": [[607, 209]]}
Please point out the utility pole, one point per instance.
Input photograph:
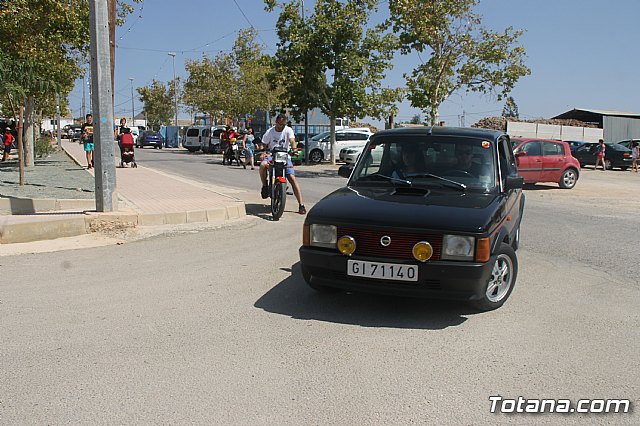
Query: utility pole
{"points": [[175, 85], [58, 120], [84, 96], [306, 111], [133, 115], [105, 172]]}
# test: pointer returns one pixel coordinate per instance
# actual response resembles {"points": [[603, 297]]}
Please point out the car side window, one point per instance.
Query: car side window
{"points": [[532, 148], [508, 165], [551, 148], [360, 136]]}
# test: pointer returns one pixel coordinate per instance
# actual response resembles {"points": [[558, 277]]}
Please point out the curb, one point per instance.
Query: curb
{"points": [[43, 227], [22, 206]]}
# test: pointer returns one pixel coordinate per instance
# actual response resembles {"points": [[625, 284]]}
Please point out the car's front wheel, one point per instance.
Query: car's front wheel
{"points": [[568, 179], [608, 164], [316, 156], [501, 282]]}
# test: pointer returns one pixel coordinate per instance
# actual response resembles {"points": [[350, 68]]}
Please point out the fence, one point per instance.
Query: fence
{"points": [[553, 131]]}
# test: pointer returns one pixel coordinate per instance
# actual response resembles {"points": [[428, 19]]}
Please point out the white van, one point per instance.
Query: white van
{"points": [[195, 136], [211, 145], [319, 145]]}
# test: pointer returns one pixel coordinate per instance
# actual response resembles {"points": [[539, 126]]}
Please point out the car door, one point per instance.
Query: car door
{"points": [[529, 160], [553, 161]]}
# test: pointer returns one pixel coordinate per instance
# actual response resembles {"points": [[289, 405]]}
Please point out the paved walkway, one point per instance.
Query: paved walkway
{"points": [[147, 197]]}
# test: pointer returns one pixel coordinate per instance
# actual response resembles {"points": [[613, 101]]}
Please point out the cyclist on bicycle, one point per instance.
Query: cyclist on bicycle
{"points": [[280, 135]]}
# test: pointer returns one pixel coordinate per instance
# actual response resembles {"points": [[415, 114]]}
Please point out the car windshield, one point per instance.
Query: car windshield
{"points": [[422, 160], [151, 133]]}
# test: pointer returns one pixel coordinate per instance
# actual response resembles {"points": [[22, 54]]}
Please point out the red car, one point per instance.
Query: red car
{"points": [[542, 160]]}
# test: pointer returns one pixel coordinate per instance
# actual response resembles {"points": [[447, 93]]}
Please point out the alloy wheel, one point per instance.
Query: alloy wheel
{"points": [[501, 279]]}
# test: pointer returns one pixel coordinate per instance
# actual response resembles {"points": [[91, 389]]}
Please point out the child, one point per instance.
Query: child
{"points": [[8, 141], [635, 155]]}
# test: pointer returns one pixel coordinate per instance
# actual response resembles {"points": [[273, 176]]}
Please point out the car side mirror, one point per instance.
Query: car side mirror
{"points": [[521, 154], [513, 182], [345, 170]]}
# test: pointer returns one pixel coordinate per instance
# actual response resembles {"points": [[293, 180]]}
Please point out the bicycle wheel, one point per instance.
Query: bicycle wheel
{"points": [[278, 200]]}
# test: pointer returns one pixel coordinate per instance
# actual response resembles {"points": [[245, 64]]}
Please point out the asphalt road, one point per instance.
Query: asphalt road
{"points": [[218, 327], [316, 181]]}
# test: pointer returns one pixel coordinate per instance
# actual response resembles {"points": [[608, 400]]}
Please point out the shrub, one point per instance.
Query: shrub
{"points": [[44, 146]]}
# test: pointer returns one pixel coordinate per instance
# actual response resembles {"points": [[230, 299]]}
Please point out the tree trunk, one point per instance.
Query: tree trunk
{"points": [[332, 140], [29, 142]]}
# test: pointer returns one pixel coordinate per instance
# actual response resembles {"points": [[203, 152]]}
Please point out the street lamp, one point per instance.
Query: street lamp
{"points": [[175, 85], [133, 115]]}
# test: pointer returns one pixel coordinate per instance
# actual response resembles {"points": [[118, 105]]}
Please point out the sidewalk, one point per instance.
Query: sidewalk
{"points": [[144, 197]]}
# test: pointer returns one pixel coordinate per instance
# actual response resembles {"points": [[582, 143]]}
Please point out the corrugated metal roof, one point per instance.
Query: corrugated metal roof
{"points": [[601, 112]]}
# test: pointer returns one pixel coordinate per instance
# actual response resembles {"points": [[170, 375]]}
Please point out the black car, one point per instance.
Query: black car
{"points": [[615, 155], [431, 212], [150, 138]]}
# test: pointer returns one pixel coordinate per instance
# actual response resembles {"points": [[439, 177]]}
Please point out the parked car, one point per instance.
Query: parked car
{"points": [[616, 155], [211, 140], [76, 134], [319, 145], [135, 132], [194, 137], [573, 145], [627, 142], [443, 232], [150, 138], [542, 160]]}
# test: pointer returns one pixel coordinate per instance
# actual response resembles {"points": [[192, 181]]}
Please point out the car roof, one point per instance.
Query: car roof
{"points": [[471, 132]]}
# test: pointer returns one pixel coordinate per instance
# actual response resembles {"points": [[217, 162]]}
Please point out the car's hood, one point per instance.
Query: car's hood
{"points": [[447, 209]]}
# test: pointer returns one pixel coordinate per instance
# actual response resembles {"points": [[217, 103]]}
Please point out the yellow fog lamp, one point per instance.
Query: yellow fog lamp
{"points": [[422, 251], [347, 245]]}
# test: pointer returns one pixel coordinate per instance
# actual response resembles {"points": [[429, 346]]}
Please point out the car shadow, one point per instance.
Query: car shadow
{"points": [[293, 297], [539, 187]]}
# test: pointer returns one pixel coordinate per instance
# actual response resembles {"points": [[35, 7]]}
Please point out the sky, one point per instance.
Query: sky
{"points": [[582, 53]]}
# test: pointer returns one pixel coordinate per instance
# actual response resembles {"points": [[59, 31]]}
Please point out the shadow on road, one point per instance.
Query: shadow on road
{"points": [[292, 297]]}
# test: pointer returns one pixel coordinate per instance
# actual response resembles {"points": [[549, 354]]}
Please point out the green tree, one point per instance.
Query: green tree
{"points": [[158, 102], [329, 60], [510, 109], [464, 54], [416, 119], [44, 45], [231, 84]]}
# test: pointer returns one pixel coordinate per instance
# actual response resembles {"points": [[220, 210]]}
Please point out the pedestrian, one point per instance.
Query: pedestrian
{"points": [[87, 140], [8, 141], [248, 146], [600, 149], [635, 156], [120, 130]]}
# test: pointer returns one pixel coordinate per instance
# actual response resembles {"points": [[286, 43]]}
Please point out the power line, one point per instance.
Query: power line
{"points": [[249, 22], [134, 22]]}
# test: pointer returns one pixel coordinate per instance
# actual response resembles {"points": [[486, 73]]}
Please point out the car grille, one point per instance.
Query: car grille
{"points": [[368, 242]]}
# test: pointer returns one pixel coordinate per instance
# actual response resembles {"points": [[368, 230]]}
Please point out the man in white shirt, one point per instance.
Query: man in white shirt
{"points": [[280, 135]]}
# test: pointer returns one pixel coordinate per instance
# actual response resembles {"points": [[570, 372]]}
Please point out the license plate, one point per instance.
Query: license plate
{"points": [[382, 271]]}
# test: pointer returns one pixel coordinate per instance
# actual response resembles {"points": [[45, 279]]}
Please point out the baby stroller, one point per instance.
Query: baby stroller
{"points": [[127, 154]]}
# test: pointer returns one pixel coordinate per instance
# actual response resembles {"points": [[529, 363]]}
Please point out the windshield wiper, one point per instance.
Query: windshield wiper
{"points": [[389, 178], [451, 182]]}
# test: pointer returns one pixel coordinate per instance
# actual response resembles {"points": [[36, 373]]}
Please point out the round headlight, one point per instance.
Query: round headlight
{"points": [[422, 251], [347, 245]]}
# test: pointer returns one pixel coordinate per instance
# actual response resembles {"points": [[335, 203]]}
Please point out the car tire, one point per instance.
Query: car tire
{"points": [[624, 168], [501, 282], [316, 156], [568, 179], [608, 164], [317, 287], [191, 149]]}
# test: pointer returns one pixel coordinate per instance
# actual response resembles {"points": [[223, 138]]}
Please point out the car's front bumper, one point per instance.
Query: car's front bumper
{"points": [[437, 279]]}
